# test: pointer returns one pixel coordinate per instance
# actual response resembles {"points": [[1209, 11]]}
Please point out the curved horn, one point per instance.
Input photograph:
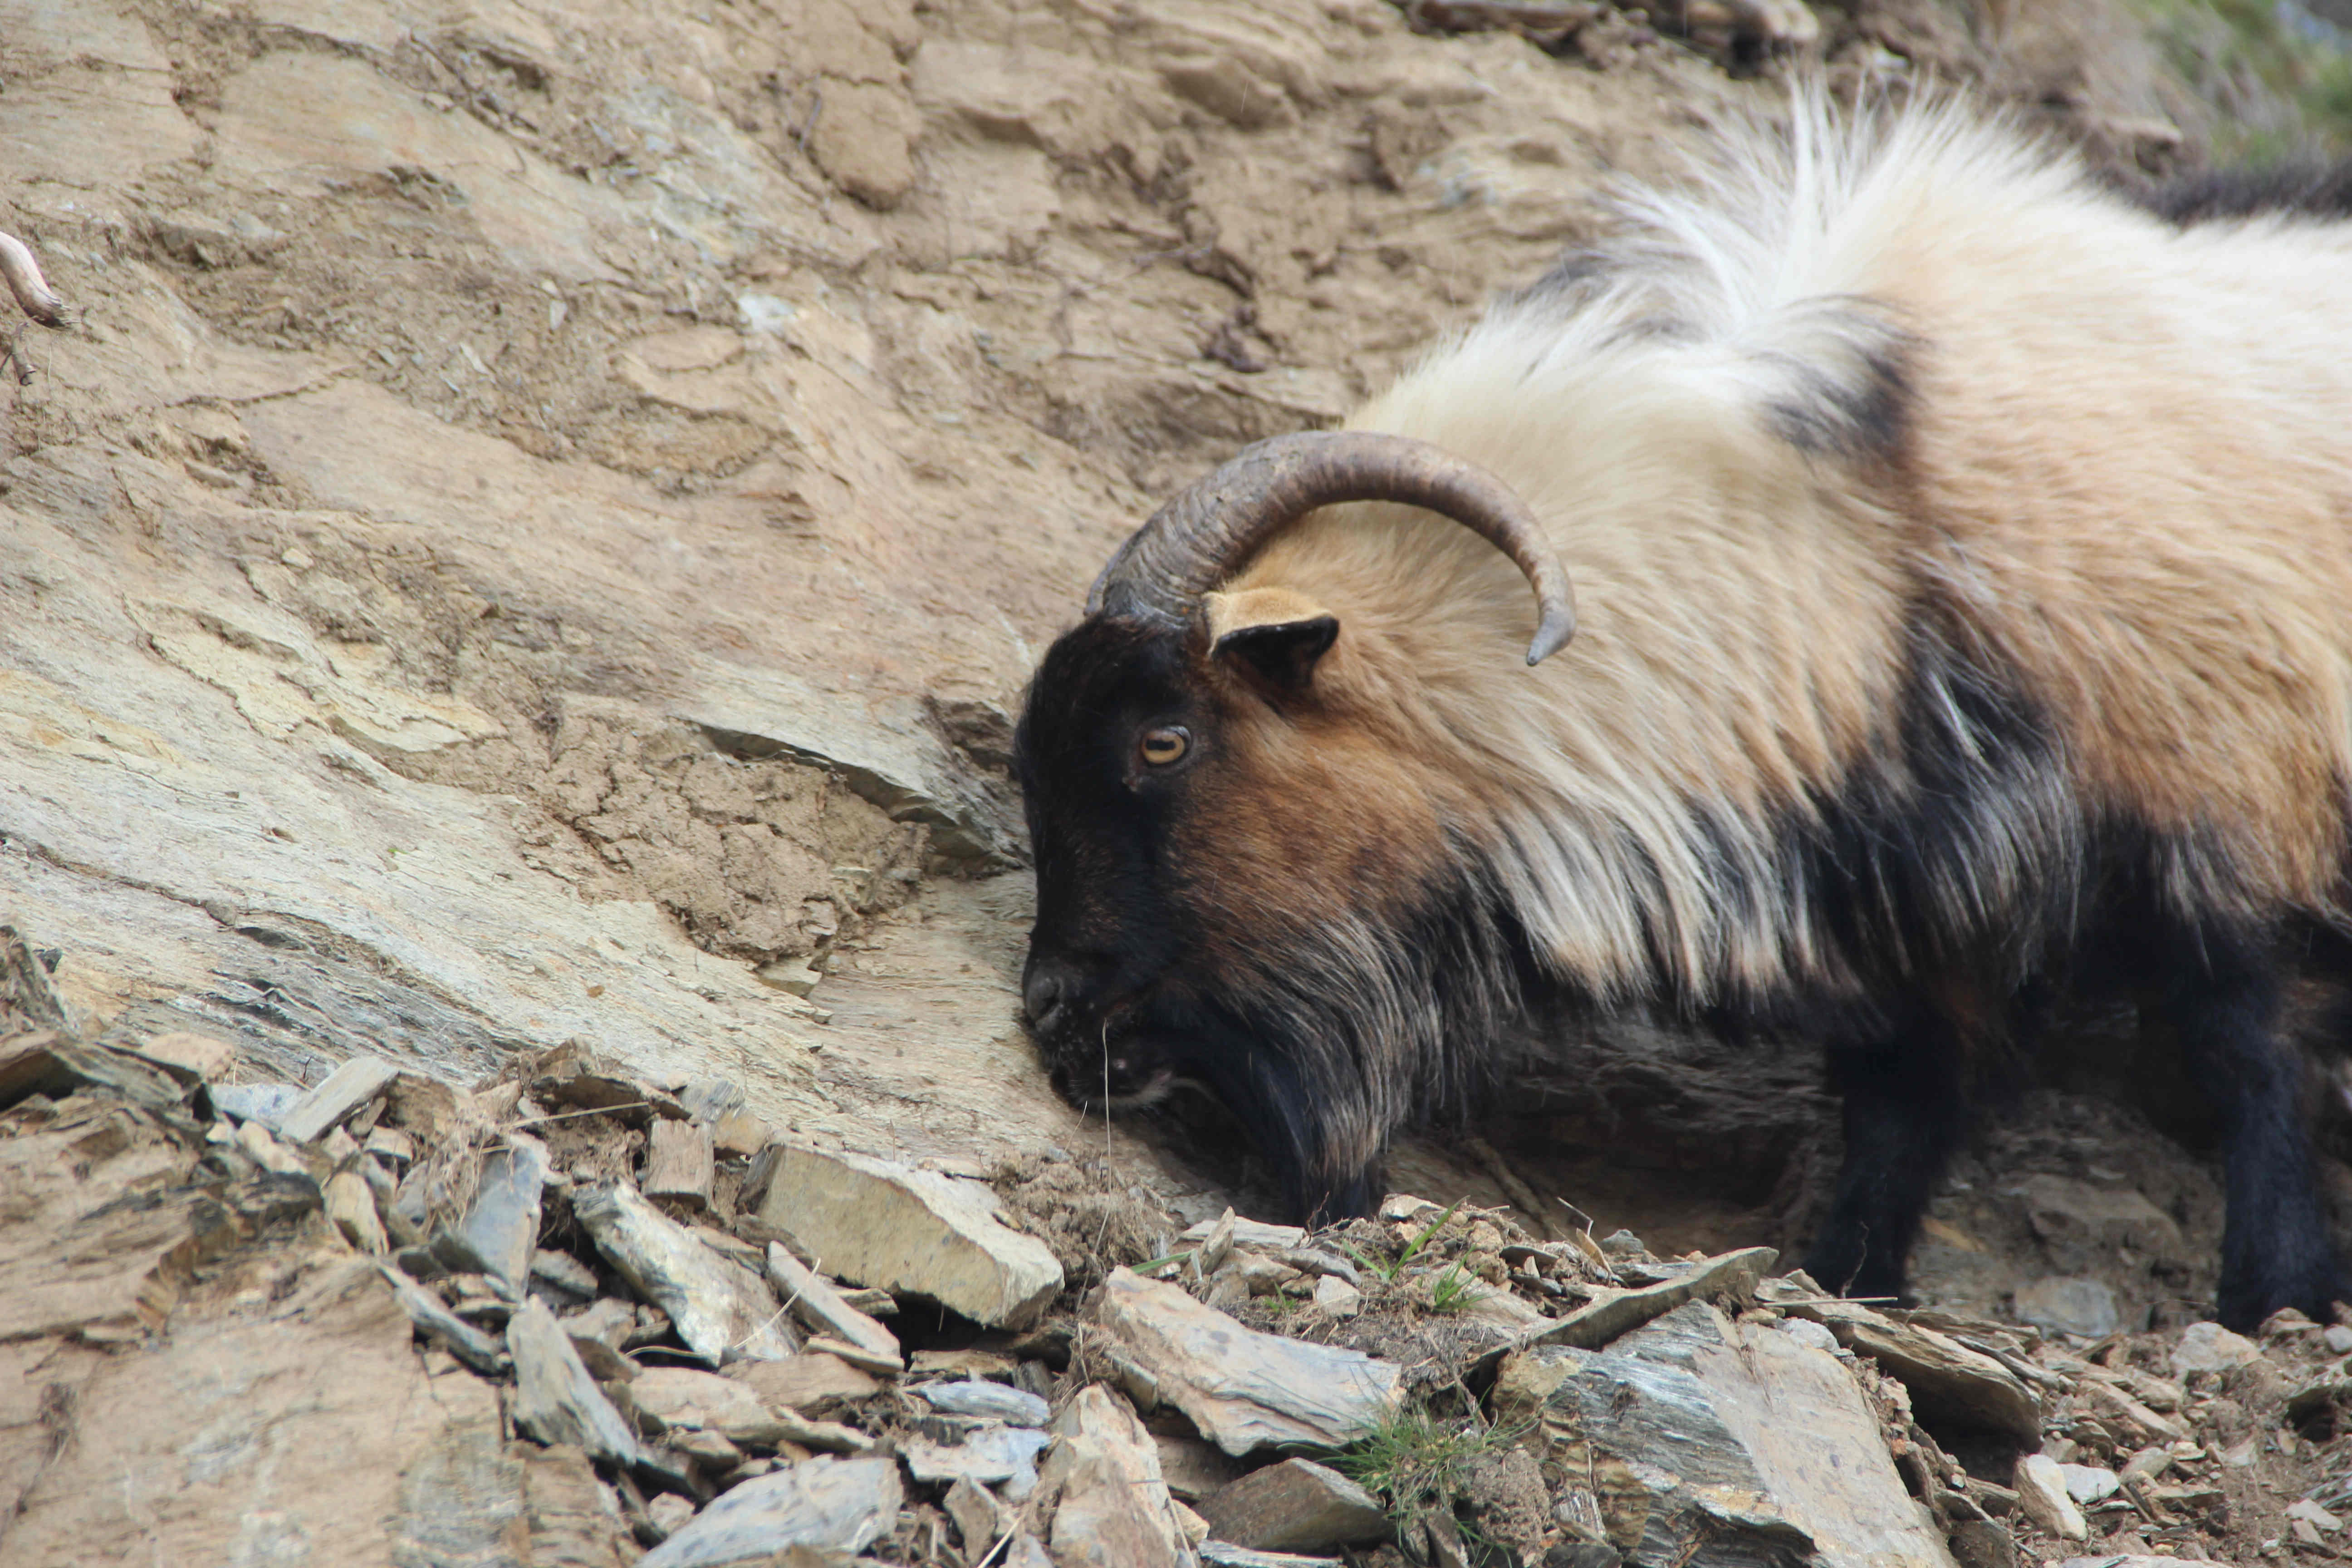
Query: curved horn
{"points": [[1194, 542]]}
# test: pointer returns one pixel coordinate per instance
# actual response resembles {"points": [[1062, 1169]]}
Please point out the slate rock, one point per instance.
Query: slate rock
{"points": [[342, 1092], [469, 1345], [1295, 1506], [267, 1103], [1244, 1390], [1717, 1443], [2042, 1498], [1609, 1315], [978, 1517], [721, 1309], [816, 1303], [873, 1222], [987, 1455], [2210, 1347], [682, 1396], [500, 1230], [839, 1505], [2087, 1484], [812, 1382], [555, 1400], [1946, 1378], [2069, 1304], [989, 1401], [1112, 1510]]}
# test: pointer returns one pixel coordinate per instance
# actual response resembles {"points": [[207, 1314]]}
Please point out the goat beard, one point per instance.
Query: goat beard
{"points": [[1332, 1041]]}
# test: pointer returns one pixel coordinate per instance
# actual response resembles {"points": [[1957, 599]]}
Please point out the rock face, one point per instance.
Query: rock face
{"points": [[1244, 1390], [1712, 1443], [226, 1445], [881, 1224]]}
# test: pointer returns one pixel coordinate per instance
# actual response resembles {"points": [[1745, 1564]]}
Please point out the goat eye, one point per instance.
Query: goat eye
{"points": [[1162, 747]]}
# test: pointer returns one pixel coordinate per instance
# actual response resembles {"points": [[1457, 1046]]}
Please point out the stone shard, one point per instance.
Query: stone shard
{"points": [[555, 1400], [1224, 1555], [1717, 1443], [469, 1345], [2210, 1347], [2041, 1495], [2069, 1304], [1946, 1379], [1111, 1508], [1244, 1390], [989, 1401], [340, 1093], [1337, 1297], [351, 1207], [811, 1383], [833, 1505], [2087, 1484], [189, 1057], [987, 1454], [816, 1303], [873, 1222], [721, 1308], [501, 1228], [678, 1162], [1247, 1233], [267, 1103], [978, 1517], [1295, 1506], [681, 1396], [1611, 1314]]}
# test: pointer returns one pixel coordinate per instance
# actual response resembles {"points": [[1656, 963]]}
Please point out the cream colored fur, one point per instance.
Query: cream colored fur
{"points": [[2128, 464]]}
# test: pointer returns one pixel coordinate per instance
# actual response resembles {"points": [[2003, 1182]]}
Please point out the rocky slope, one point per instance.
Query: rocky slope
{"points": [[541, 512]]}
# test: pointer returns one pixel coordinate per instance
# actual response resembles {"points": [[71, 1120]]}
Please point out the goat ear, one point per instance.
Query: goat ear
{"points": [[1277, 633]]}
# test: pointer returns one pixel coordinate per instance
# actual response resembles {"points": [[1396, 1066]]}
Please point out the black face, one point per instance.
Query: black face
{"points": [[1107, 743]]}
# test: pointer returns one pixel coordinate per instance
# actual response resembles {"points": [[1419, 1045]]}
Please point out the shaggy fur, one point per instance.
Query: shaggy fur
{"points": [[1965, 555]]}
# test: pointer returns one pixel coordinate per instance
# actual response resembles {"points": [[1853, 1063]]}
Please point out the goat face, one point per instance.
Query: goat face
{"points": [[1243, 884]]}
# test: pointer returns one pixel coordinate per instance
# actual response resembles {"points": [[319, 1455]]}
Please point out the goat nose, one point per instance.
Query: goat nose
{"points": [[1043, 995]]}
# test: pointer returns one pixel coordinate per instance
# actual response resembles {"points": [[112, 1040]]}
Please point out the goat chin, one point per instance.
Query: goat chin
{"points": [[1962, 547]]}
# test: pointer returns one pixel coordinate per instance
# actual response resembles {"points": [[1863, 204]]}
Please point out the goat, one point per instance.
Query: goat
{"points": [[1964, 552]]}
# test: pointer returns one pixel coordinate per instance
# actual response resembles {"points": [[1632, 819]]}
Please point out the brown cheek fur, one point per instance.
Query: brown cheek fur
{"points": [[1301, 811]]}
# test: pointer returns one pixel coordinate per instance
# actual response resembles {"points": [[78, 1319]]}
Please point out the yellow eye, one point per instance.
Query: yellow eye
{"points": [[1162, 747]]}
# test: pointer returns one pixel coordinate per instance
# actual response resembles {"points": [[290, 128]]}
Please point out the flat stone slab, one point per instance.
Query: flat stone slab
{"points": [[986, 1457], [1946, 1378], [807, 1382], [873, 1222], [1609, 1315], [1244, 1390], [1295, 1506], [342, 1092], [837, 1505], [1717, 1444], [988, 1401]]}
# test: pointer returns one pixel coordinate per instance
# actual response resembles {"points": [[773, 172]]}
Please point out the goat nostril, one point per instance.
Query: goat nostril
{"points": [[1042, 997]]}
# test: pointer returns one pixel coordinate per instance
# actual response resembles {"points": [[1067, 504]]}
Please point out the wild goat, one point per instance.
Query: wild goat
{"points": [[1964, 551]]}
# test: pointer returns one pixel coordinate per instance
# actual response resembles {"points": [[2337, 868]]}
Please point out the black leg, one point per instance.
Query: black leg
{"points": [[1905, 1112], [2224, 997]]}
